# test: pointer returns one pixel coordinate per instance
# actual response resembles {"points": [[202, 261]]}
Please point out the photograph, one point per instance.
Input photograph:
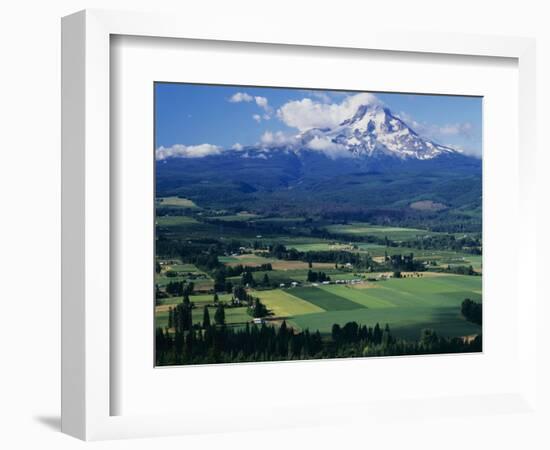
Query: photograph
{"points": [[300, 223]]}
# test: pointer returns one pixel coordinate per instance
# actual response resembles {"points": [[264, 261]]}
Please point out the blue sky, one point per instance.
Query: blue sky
{"points": [[226, 116]]}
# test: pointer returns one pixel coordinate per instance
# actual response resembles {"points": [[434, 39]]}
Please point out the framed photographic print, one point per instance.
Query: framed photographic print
{"points": [[296, 224], [264, 213]]}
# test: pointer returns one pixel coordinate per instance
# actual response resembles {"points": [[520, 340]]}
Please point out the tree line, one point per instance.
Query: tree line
{"points": [[219, 343]]}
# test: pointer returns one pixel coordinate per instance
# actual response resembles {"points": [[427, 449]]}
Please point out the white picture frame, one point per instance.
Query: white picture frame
{"points": [[87, 356]]}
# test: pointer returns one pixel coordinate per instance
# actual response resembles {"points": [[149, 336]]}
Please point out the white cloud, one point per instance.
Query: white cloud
{"points": [[241, 97], [237, 146], [262, 102], [187, 151], [306, 114], [278, 138], [331, 149], [463, 129], [454, 129], [467, 150], [321, 96], [448, 134]]}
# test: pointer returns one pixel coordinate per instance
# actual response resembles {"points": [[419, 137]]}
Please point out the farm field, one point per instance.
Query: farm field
{"points": [[186, 273], [174, 221], [405, 323], [407, 305], [296, 275], [199, 300], [284, 304], [324, 299], [239, 217], [176, 202], [233, 316], [320, 246], [393, 233]]}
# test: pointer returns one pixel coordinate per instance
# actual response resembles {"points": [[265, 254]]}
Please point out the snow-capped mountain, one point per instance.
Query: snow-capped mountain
{"points": [[372, 159], [372, 131]]}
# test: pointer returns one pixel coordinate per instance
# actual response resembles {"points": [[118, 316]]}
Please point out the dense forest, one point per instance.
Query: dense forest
{"points": [[209, 343]]}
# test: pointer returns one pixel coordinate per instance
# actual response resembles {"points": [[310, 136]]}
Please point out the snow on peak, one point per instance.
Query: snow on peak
{"points": [[374, 130]]}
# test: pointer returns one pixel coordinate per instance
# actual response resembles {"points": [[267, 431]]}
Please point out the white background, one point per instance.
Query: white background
{"points": [[29, 326]]}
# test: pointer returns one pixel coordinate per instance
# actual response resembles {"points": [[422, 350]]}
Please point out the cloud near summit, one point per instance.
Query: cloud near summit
{"points": [[187, 151], [306, 113]]}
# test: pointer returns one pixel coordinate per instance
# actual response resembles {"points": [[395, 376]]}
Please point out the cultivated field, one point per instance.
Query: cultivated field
{"points": [[176, 202], [428, 299], [394, 233], [407, 305]]}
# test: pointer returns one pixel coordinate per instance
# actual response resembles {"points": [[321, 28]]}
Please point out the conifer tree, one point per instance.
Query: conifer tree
{"points": [[219, 316], [206, 318]]}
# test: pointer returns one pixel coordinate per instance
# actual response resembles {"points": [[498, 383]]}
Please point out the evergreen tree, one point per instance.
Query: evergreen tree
{"points": [[258, 309], [377, 334], [336, 332], [247, 279], [219, 281], [219, 316], [228, 286], [206, 318]]}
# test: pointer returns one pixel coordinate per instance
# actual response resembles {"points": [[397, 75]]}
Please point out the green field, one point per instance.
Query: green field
{"points": [[184, 272], [405, 323], [171, 221], [280, 220], [392, 233], [250, 259], [239, 217], [320, 247], [178, 267], [198, 300], [358, 296], [324, 299], [233, 316], [407, 305], [277, 276]]}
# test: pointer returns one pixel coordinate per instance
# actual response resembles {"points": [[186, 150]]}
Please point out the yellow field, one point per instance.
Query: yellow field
{"points": [[284, 304]]}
